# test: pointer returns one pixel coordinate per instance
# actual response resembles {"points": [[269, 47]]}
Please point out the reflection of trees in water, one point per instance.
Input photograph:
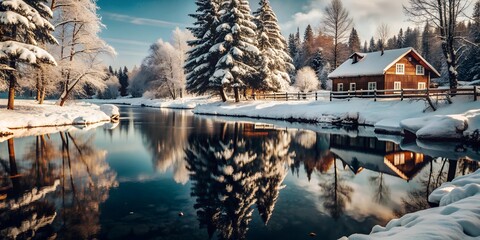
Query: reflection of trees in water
{"points": [[166, 136], [381, 190], [86, 179], [336, 194], [274, 163], [231, 173], [417, 199], [34, 206]]}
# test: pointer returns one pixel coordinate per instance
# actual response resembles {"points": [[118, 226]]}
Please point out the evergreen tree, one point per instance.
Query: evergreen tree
{"points": [[373, 46], [292, 45], [110, 70], [308, 46], [475, 35], [365, 47], [123, 80], [400, 39], [427, 37], [354, 44], [236, 45], [275, 60], [321, 67], [200, 64], [23, 26], [411, 38]]}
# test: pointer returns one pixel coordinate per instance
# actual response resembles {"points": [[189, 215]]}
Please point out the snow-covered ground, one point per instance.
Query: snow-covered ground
{"points": [[450, 121], [29, 115], [183, 103], [457, 217]]}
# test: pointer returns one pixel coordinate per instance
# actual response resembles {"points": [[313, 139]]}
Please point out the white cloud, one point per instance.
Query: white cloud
{"points": [[140, 21], [367, 16], [127, 42]]}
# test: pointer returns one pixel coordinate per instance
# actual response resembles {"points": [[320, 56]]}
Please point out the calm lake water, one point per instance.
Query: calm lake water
{"points": [[229, 179]]}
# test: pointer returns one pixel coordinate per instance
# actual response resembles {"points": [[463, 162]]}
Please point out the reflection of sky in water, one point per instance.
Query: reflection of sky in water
{"points": [[147, 153]]}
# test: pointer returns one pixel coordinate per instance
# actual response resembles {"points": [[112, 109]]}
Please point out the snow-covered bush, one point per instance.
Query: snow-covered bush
{"points": [[306, 80], [111, 91], [162, 70]]}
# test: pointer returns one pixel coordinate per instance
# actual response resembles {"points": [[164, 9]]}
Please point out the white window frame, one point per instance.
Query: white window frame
{"points": [[339, 87], [353, 86], [397, 85], [422, 70], [422, 86], [372, 86], [400, 69]]}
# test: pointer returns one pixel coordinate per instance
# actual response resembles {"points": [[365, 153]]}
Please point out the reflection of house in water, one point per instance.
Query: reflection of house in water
{"points": [[386, 157]]}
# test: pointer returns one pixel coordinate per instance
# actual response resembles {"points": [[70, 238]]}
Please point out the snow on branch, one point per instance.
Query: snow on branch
{"points": [[25, 52]]}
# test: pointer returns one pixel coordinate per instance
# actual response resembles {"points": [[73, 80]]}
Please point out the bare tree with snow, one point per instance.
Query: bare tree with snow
{"points": [[444, 15], [337, 24], [162, 72], [383, 32], [77, 28], [306, 80], [24, 25]]}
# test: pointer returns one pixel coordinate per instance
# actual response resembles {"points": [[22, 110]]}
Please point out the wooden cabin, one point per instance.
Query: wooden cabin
{"points": [[393, 69]]}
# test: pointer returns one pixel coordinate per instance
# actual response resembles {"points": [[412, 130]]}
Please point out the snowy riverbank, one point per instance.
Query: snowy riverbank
{"points": [[449, 122], [457, 216], [183, 103], [29, 115]]}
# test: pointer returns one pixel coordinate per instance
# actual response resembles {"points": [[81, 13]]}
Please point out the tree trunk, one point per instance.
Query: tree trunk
{"points": [[38, 88], [42, 89], [223, 95], [237, 94], [11, 89]]}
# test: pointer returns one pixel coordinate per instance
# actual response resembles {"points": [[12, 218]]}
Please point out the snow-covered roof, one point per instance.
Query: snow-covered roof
{"points": [[374, 63]]}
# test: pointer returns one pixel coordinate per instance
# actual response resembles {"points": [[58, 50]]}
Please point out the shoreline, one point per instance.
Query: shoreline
{"points": [[29, 116]]}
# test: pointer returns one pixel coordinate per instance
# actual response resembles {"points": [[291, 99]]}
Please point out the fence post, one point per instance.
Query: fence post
{"points": [[374, 95], [348, 94], [475, 93], [316, 96], [298, 96], [331, 95], [254, 96], [286, 96], [274, 96], [401, 94]]}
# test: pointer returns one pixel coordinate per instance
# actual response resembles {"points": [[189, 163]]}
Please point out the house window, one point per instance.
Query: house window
{"points": [[353, 87], [422, 86], [397, 86], [372, 86], [340, 87], [400, 68], [420, 70]]}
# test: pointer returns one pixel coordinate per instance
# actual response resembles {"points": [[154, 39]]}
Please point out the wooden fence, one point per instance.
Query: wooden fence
{"points": [[372, 94]]}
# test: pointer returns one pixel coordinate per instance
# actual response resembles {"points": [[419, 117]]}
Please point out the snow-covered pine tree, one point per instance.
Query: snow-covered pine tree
{"points": [[276, 62], [23, 26], [200, 63], [236, 46], [475, 72]]}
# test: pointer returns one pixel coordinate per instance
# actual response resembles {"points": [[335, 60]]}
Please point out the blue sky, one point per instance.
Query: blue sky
{"points": [[131, 26]]}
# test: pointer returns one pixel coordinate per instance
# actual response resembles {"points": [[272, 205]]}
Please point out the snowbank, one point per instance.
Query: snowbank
{"points": [[452, 121], [28, 115], [184, 103], [458, 216]]}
